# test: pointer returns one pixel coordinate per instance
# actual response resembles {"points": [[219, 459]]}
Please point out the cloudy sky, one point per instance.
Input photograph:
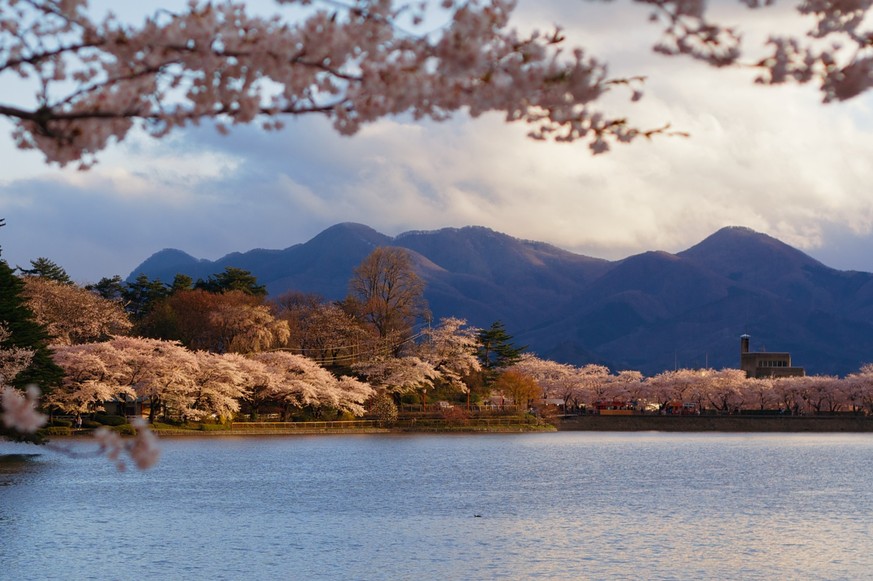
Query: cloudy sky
{"points": [[773, 159]]}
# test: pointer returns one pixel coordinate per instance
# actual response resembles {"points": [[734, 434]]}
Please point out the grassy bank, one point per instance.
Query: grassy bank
{"points": [[490, 425]]}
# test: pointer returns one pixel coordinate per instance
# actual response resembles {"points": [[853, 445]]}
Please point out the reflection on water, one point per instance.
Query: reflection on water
{"points": [[551, 506]]}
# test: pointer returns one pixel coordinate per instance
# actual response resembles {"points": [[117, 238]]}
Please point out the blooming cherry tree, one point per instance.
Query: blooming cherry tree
{"points": [[93, 375], [72, 314], [450, 348], [295, 381]]}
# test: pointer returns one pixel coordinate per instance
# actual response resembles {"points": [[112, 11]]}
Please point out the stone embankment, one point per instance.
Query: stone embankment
{"points": [[727, 423]]}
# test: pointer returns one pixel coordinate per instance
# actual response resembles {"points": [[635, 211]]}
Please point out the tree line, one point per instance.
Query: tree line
{"points": [[216, 349]]}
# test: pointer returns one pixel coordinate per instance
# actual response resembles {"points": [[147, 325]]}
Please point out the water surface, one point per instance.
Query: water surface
{"points": [[579, 505]]}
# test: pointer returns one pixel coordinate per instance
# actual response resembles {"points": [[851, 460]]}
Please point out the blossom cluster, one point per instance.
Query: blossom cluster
{"points": [[357, 63], [725, 389], [353, 65], [143, 449], [19, 410]]}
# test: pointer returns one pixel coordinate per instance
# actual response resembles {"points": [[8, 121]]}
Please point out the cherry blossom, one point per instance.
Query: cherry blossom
{"points": [[143, 449], [357, 63], [19, 410]]}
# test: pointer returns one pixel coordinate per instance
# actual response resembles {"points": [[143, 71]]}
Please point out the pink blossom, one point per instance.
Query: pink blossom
{"points": [[144, 450], [19, 411]]}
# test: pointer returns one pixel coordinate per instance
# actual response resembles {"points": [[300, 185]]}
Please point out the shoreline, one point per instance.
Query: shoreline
{"points": [[590, 423], [834, 424]]}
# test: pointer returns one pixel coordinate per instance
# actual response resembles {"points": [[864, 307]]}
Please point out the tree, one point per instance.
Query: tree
{"points": [[72, 314], [219, 385], [13, 360], [141, 295], [523, 389], [496, 350], [112, 289], [45, 268], [323, 331], [450, 348], [399, 376], [295, 382], [93, 375], [233, 321], [556, 379], [232, 279], [25, 333], [386, 293]]}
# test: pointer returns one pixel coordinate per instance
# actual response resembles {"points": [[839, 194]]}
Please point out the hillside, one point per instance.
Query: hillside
{"points": [[651, 312]]}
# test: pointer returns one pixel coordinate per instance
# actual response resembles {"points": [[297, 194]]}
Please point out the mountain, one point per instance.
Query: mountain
{"points": [[650, 312]]}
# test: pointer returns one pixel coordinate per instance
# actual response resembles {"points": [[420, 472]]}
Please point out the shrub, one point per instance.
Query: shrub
{"points": [[58, 431], [110, 420], [90, 424], [61, 424], [125, 430]]}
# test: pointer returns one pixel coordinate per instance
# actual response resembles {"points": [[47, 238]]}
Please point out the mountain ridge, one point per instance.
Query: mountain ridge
{"points": [[651, 311]]}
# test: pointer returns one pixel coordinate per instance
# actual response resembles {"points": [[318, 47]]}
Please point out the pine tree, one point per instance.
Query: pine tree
{"points": [[496, 350], [47, 269], [26, 333]]}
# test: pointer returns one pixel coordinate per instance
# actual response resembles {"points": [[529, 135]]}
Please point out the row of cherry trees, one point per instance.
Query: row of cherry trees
{"points": [[723, 390]]}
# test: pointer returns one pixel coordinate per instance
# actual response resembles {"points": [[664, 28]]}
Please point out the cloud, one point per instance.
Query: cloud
{"points": [[771, 158]]}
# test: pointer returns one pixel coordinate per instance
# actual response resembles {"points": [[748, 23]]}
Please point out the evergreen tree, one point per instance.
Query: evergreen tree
{"points": [[181, 282], [142, 295], [47, 269], [109, 288], [26, 333], [496, 350], [232, 279]]}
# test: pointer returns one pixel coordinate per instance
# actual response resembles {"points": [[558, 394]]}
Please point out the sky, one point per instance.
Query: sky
{"points": [[774, 159]]}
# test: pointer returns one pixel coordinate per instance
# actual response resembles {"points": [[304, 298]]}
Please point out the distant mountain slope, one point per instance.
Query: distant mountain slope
{"points": [[651, 312]]}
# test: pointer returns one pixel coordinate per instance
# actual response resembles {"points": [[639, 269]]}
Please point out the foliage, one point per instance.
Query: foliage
{"points": [[523, 389], [382, 407], [323, 330], [387, 294], [233, 321], [25, 333], [232, 279], [47, 269], [71, 314]]}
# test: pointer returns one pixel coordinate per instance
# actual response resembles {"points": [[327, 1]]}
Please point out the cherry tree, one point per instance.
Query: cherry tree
{"points": [[627, 385], [93, 375], [161, 372], [788, 392], [13, 360], [295, 382], [672, 385], [399, 375], [725, 388], [760, 394], [450, 348], [822, 393], [220, 383], [557, 380], [321, 330], [72, 314]]}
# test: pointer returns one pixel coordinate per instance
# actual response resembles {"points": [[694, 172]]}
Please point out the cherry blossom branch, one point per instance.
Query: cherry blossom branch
{"points": [[352, 65]]}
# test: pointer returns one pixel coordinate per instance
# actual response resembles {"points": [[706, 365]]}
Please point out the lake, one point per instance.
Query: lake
{"points": [[567, 505]]}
